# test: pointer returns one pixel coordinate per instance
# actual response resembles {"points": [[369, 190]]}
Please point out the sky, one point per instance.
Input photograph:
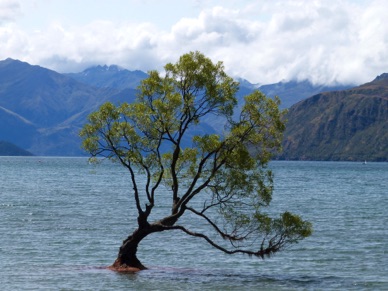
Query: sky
{"points": [[262, 41]]}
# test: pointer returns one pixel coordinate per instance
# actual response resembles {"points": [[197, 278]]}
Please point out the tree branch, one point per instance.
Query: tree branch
{"points": [[224, 235], [262, 252]]}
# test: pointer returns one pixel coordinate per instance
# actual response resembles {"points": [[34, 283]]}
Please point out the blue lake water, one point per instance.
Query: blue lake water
{"points": [[63, 220]]}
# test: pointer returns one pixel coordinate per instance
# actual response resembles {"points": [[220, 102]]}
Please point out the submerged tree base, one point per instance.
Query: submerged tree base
{"points": [[124, 268]]}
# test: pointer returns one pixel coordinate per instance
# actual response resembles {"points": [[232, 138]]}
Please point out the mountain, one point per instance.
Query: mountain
{"points": [[9, 149], [350, 125], [116, 77], [16, 128], [38, 107], [41, 96], [292, 92], [43, 111], [110, 77]]}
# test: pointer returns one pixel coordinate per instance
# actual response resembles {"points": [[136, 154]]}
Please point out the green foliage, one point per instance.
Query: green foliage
{"points": [[228, 170]]}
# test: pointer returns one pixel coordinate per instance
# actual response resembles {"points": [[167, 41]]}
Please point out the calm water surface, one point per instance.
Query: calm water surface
{"points": [[62, 221]]}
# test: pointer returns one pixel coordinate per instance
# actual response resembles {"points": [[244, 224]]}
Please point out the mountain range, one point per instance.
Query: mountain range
{"points": [[9, 149], [349, 125], [109, 77], [43, 111]]}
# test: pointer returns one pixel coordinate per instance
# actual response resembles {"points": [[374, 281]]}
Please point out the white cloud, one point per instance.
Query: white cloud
{"points": [[344, 41], [9, 10]]}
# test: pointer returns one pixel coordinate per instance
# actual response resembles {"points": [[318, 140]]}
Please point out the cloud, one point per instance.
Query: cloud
{"points": [[327, 43], [320, 42], [9, 11]]}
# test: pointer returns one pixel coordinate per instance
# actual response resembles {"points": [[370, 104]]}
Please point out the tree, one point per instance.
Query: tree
{"points": [[154, 139]]}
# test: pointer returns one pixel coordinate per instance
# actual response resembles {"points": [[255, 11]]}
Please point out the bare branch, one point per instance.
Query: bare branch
{"points": [[224, 235], [262, 252]]}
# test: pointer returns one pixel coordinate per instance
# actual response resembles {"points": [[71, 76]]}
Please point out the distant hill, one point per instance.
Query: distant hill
{"points": [[16, 128], [349, 125], [110, 77], [41, 96], [116, 77], [292, 92], [9, 149], [43, 111], [38, 108]]}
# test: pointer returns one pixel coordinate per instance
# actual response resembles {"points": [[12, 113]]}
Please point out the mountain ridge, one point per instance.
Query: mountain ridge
{"points": [[45, 99], [349, 125], [112, 76], [42, 110], [9, 149]]}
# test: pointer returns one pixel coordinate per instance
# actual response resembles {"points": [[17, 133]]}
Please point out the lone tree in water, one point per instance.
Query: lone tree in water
{"points": [[224, 174]]}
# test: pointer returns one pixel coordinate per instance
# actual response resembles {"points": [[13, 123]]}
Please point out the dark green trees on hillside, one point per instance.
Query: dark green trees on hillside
{"points": [[149, 138]]}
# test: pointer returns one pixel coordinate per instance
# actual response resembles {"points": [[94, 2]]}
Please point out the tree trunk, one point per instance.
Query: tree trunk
{"points": [[127, 260]]}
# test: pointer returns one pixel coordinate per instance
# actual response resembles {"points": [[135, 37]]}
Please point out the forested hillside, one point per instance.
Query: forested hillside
{"points": [[350, 125]]}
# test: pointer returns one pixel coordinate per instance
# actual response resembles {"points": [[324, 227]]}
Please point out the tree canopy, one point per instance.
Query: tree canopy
{"points": [[155, 139]]}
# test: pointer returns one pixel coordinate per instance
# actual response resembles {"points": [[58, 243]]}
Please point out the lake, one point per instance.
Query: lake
{"points": [[62, 221]]}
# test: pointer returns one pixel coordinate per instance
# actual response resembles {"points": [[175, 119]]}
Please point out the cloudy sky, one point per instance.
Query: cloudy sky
{"points": [[263, 41]]}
